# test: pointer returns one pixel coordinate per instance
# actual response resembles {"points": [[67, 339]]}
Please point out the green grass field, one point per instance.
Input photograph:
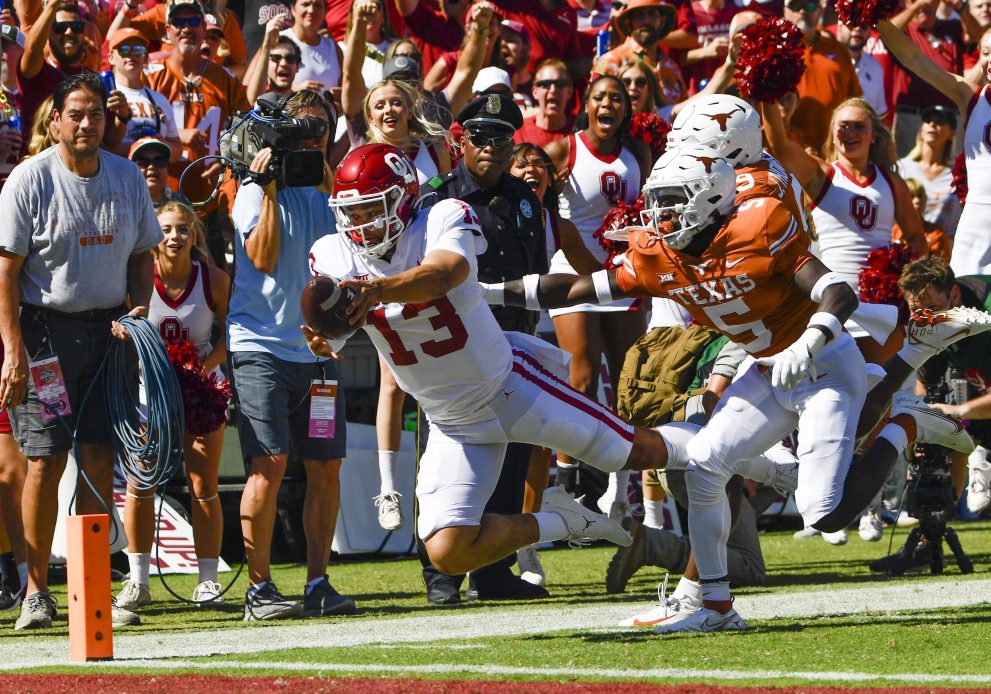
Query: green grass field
{"points": [[397, 633]]}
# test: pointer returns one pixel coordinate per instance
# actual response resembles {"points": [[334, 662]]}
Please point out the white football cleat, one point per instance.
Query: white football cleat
{"points": [[671, 610], [871, 528], [840, 537], [584, 525], [705, 620], [390, 515], [979, 486], [933, 426], [531, 570], [930, 332], [805, 533]]}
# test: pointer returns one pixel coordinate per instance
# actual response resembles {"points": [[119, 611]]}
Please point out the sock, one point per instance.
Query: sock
{"points": [[676, 437], [550, 526], [653, 513], [22, 572], [567, 476], [616, 491], [388, 461], [687, 588], [140, 563], [310, 585], [208, 568], [255, 587], [899, 431], [716, 596]]}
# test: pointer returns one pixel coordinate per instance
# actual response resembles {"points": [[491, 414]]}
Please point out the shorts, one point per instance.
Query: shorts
{"points": [[5, 427], [80, 345], [461, 464], [273, 398]]}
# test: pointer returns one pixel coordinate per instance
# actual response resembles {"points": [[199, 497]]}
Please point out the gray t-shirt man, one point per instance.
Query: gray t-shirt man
{"points": [[76, 234]]}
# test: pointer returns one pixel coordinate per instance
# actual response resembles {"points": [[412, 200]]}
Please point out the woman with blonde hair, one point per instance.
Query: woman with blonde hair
{"points": [[42, 135], [189, 299], [931, 163]]}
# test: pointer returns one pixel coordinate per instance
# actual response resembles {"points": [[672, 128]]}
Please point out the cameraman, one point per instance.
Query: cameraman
{"points": [[930, 283], [275, 373]]}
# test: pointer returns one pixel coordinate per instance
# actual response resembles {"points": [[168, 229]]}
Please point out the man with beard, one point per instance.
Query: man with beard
{"points": [[203, 95], [644, 23], [869, 70], [829, 78], [60, 27], [75, 246], [510, 219]]}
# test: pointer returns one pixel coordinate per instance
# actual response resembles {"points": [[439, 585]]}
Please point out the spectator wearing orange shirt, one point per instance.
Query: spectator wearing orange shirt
{"points": [[830, 77]]}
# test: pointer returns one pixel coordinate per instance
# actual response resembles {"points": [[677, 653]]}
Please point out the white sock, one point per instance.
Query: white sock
{"points": [[208, 568], [676, 437], [718, 590], [895, 435], [550, 526], [653, 513], [687, 588], [140, 563], [388, 460], [22, 573], [616, 491]]}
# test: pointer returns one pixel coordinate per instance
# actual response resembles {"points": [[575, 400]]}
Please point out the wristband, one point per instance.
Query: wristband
{"points": [[826, 322], [827, 280], [124, 120], [603, 292], [494, 294], [530, 283]]}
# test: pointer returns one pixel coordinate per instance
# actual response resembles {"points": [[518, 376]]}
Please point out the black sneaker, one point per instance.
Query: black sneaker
{"points": [[323, 600], [266, 602], [443, 590], [37, 612], [11, 594], [503, 584]]}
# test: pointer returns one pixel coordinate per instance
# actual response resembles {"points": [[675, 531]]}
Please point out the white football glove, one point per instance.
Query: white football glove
{"points": [[792, 364]]}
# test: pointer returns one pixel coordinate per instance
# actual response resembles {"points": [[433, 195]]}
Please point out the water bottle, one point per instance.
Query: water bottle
{"points": [[107, 77], [15, 123], [958, 386], [601, 43]]}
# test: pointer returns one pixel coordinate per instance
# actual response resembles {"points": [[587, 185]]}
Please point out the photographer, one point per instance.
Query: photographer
{"points": [[275, 374], [930, 283]]}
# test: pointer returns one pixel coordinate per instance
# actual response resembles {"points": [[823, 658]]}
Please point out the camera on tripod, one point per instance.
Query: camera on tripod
{"points": [[248, 132]]}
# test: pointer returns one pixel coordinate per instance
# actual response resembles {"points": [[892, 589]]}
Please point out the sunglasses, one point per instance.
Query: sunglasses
{"points": [[288, 57], [497, 141], [547, 84], [160, 162], [131, 49], [639, 82], [854, 126], [183, 22], [77, 26], [809, 6]]}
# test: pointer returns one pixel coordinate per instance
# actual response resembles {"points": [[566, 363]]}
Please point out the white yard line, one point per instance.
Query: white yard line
{"points": [[134, 648]]}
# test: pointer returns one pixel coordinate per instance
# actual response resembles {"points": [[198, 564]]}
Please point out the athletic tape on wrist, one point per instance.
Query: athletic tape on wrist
{"points": [[819, 288], [603, 292], [827, 322], [494, 294], [530, 283]]}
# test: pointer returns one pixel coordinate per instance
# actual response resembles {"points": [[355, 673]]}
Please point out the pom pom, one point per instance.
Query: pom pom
{"points": [[204, 397], [771, 60], [959, 182], [652, 130], [879, 277], [865, 13], [621, 216]]}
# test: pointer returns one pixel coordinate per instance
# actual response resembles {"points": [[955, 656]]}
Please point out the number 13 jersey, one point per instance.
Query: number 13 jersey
{"points": [[449, 353]]}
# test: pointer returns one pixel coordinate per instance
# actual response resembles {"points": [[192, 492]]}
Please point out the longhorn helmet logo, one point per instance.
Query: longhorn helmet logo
{"points": [[723, 118], [707, 162]]}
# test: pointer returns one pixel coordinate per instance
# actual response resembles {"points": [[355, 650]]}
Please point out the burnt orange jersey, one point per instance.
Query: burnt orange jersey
{"points": [[205, 107], [742, 285], [769, 179]]}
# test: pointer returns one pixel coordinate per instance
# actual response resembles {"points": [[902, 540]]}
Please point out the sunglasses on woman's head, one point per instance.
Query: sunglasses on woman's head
{"points": [[77, 26], [637, 81]]}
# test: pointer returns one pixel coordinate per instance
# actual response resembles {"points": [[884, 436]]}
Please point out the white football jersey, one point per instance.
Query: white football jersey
{"points": [[595, 185], [449, 353], [190, 316], [977, 148], [853, 219]]}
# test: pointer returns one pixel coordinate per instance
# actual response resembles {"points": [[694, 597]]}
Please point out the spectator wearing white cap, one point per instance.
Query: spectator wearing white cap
{"points": [[152, 157]]}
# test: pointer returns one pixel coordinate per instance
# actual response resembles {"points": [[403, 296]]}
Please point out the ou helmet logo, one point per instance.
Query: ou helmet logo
{"points": [[863, 211], [401, 166]]}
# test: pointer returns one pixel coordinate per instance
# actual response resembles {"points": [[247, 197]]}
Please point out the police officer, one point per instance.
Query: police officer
{"points": [[512, 223]]}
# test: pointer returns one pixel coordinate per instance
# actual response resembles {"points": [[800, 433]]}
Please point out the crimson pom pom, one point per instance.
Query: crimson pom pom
{"points": [[879, 277], [865, 13], [204, 397], [652, 130], [959, 182], [771, 60], [621, 216]]}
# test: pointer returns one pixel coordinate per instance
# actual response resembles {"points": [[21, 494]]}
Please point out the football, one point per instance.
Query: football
{"points": [[324, 307]]}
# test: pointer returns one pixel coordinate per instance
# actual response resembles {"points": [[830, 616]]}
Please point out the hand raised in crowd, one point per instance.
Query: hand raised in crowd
{"points": [[117, 103], [274, 27], [481, 17], [319, 344], [717, 48], [366, 12], [10, 142], [6, 16]]}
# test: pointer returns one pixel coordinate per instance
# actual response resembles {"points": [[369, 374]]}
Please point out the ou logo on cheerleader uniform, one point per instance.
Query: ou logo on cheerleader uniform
{"points": [[863, 211], [613, 187]]}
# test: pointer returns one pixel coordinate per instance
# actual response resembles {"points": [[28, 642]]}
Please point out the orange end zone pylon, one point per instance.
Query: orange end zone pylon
{"points": [[91, 634]]}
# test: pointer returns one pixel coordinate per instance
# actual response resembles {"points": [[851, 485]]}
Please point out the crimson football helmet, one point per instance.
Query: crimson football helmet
{"points": [[374, 200]]}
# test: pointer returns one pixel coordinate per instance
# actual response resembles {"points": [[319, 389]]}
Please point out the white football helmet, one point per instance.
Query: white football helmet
{"points": [[694, 184], [726, 123]]}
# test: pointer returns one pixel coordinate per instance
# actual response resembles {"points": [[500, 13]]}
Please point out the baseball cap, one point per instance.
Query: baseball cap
{"points": [[126, 34], [8, 32], [517, 27], [149, 144], [402, 67], [213, 22], [180, 4], [489, 77], [940, 113]]}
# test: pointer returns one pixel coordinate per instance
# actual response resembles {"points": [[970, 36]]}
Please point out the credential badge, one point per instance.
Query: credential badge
{"points": [[526, 209]]}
